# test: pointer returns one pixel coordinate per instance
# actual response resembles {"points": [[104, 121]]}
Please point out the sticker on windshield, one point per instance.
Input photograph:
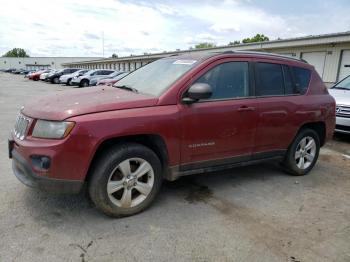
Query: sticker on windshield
{"points": [[184, 62]]}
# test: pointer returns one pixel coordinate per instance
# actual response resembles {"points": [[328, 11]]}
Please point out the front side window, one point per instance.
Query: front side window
{"points": [[269, 79], [227, 80]]}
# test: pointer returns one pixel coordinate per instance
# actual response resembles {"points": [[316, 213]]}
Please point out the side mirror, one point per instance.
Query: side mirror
{"points": [[197, 92]]}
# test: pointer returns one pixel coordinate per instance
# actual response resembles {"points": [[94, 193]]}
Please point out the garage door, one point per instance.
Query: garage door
{"points": [[344, 65], [317, 59]]}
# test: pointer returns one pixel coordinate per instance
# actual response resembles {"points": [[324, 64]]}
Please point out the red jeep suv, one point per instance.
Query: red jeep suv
{"points": [[177, 116]]}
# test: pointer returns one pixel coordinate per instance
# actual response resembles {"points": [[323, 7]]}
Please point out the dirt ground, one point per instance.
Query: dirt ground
{"points": [[255, 213]]}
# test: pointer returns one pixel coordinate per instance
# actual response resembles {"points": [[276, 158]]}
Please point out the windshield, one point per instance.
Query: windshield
{"points": [[88, 73], [344, 84], [156, 77], [79, 72], [120, 76], [114, 74]]}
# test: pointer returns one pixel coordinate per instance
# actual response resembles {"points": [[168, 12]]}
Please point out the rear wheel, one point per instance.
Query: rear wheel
{"points": [[303, 152], [125, 180], [55, 80], [69, 81]]}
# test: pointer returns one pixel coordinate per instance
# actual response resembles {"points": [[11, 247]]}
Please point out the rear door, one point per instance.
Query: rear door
{"points": [[220, 130], [278, 101]]}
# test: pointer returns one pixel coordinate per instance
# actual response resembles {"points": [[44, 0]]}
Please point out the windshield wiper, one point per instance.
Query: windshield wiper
{"points": [[125, 87], [342, 88]]}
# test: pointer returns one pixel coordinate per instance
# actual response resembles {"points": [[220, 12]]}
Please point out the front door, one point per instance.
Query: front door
{"points": [[220, 130]]}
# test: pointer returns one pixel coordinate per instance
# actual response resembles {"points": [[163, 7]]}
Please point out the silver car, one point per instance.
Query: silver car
{"points": [[92, 75], [93, 82], [66, 79], [341, 94]]}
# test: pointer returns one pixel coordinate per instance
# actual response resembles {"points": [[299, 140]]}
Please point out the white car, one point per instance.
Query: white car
{"points": [[44, 75], [66, 79], [341, 94]]}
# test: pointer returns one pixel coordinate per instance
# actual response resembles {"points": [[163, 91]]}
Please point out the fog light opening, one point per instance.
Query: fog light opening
{"points": [[41, 163]]}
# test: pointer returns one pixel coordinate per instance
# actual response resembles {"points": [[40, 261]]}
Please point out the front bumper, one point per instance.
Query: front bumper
{"points": [[75, 82], [342, 125], [63, 80], [28, 176], [25, 174]]}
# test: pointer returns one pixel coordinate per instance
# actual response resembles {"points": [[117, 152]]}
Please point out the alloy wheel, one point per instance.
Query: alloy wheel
{"points": [[305, 152], [130, 182]]}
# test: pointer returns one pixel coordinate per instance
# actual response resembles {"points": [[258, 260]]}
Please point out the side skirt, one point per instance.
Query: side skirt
{"points": [[175, 172]]}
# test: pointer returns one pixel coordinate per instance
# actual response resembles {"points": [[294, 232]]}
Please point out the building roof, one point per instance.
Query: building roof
{"points": [[333, 38]]}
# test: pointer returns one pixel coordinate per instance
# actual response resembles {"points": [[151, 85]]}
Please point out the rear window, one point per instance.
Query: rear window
{"points": [[302, 79]]}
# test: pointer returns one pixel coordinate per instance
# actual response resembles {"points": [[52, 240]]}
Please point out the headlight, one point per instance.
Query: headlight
{"points": [[52, 129]]}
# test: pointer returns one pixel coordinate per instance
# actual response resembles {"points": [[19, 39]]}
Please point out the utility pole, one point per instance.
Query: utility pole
{"points": [[103, 44]]}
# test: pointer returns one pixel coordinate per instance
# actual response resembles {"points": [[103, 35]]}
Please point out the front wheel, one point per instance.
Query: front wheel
{"points": [[84, 83], [303, 153], [125, 180]]}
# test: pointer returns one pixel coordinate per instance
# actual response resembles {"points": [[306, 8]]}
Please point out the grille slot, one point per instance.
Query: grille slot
{"points": [[343, 111], [21, 126]]}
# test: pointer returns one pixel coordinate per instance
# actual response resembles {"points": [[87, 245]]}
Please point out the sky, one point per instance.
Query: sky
{"points": [[77, 27]]}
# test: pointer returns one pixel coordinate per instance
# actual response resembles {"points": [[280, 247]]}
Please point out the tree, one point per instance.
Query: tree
{"points": [[204, 45], [16, 52], [114, 55], [235, 43], [257, 38]]}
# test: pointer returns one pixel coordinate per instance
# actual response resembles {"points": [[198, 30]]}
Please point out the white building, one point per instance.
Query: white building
{"points": [[330, 54], [38, 62]]}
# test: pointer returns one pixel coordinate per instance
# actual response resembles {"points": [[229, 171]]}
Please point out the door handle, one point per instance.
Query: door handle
{"points": [[245, 108]]}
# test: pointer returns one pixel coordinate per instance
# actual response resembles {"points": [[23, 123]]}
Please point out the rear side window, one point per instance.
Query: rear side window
{"points": [[302, 79], [288, 82], [269, 80]]}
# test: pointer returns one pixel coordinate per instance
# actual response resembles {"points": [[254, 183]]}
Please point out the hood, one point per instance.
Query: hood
{"points": [[342, 97], [71, 103]]}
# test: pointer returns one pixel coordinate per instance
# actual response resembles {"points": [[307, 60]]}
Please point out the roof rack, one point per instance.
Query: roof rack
{"points": [[263, 53]]}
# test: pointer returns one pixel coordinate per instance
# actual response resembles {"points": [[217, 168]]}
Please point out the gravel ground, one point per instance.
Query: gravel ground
{"points": [[255, 213]]}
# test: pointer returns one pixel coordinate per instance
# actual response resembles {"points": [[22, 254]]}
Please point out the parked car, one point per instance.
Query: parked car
{"points": [[341, 93], [112, 81], [29, 73], [43, 76], [66, 79], [54, 77], [176, 116], [87, 78], [10, 70], [36, 75], [24, 71], [17, 71], [95, 80]]}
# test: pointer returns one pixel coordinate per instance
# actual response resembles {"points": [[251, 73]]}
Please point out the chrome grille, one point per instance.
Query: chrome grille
{"points": [[21, 126], [343, 111]]}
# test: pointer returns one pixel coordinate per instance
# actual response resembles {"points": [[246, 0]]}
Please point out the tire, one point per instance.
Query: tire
{"points": [[112, 168], [84, 83], [68, 81], [303, 153], [55, 80]]}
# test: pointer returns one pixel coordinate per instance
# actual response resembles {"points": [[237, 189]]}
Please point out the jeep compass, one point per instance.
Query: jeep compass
{"points": [[176, 116]]}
